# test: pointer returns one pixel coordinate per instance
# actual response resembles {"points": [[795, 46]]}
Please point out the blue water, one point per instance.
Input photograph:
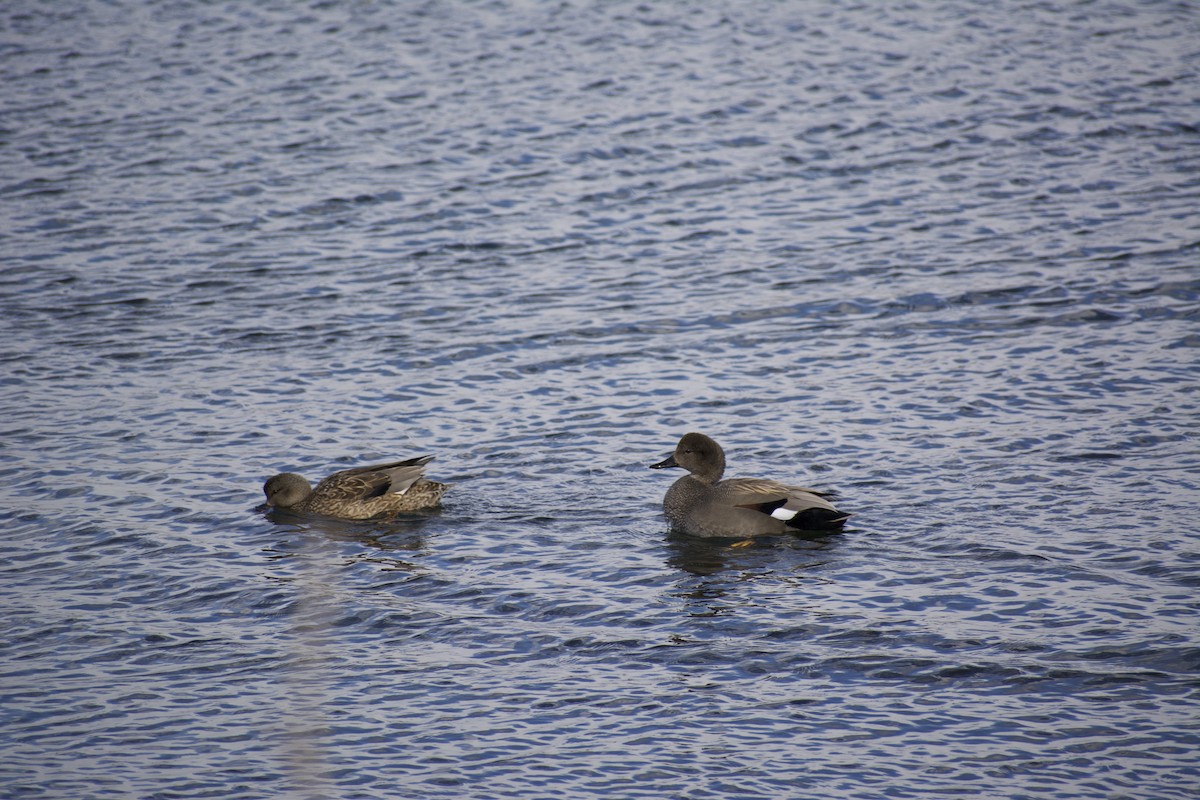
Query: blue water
{"points": [[943, 257]]}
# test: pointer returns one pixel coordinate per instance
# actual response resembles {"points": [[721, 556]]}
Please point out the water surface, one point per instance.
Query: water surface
{"points": [[939, 256]]}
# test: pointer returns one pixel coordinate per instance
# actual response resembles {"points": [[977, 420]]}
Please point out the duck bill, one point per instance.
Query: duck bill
{"points": [[666, 463]]}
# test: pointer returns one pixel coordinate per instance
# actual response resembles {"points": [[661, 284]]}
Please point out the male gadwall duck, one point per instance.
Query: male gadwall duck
{"points": [[701, 504], [360, 493]]}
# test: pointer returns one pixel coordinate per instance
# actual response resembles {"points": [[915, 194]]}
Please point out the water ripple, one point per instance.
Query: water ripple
{"points": [[956, 283]]}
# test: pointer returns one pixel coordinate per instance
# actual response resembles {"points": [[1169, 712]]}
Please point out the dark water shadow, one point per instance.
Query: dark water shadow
{"points": [[719, 580], [712, 556], [399, 532]]}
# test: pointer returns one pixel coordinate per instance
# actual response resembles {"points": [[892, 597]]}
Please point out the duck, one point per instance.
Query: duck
{"points": [[378, 490], [701, 504]]}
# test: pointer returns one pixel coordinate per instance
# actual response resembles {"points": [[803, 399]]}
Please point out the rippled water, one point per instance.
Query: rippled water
{"points": [[942, 257]]}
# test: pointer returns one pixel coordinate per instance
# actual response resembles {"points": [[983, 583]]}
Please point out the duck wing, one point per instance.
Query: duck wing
{"points": [[376, 480], [797, 506]]}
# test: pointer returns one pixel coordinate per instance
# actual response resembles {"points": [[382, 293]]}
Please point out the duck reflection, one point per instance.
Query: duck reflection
{"points": [[714, 572], [712, 556], [386, 538]]}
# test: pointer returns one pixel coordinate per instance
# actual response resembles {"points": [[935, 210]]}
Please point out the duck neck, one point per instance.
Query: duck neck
{"points": [[712, 473]]}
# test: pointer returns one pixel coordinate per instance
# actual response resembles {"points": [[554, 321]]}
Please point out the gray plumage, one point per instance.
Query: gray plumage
{"points": [[701, 504]]}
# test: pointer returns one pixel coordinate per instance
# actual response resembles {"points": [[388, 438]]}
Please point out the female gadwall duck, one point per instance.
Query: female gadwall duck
{"points": [[701, 504], [360, 493]]}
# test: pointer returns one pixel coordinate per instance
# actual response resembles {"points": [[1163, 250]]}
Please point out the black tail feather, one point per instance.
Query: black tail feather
{"points": [[818, 519]]}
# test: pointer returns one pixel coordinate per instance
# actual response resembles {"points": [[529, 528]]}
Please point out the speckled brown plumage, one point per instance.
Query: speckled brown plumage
{"points": [[378, 490]]}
